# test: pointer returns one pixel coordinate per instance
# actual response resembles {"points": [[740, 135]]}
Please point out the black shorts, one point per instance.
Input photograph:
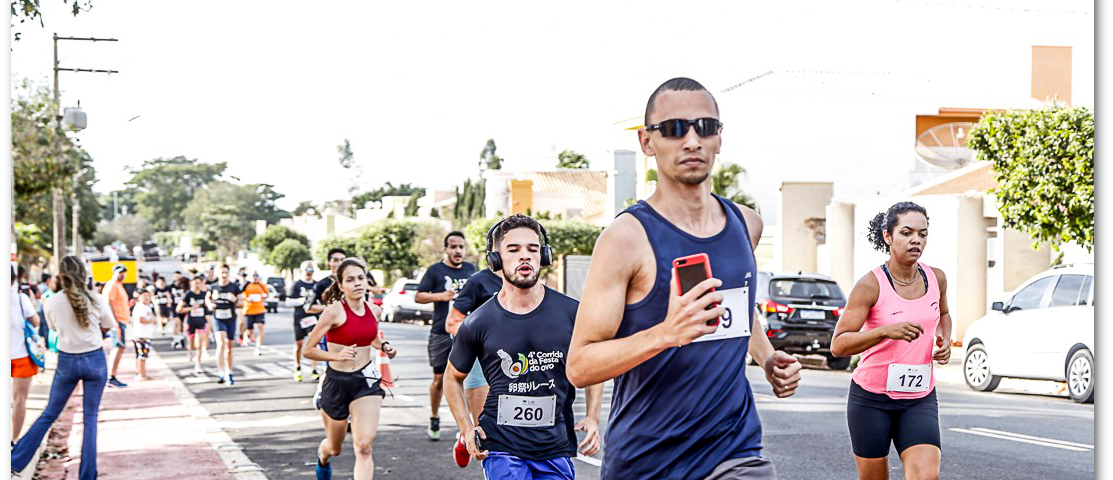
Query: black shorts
{"points": [[439, 346], [299, 332], [252, 320], [340, 389], [164, 311], [193, 324], [877, 421]]}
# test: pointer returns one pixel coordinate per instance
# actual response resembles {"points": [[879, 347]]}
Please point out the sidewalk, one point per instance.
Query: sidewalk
{"points": [[151, 430]]}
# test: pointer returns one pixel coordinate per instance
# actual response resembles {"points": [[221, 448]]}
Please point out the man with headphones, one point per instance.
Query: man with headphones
{"points": [[527, 428], [439, 286]]}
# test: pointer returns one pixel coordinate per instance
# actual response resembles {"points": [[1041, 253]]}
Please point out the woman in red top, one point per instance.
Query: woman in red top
{"points": [[351, 385]]}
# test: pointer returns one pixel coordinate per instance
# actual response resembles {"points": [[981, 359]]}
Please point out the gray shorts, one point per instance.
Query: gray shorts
{"points": [[749, 468]]}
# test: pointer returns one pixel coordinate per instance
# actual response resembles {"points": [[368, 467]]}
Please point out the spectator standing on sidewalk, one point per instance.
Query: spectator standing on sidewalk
{"points": [[120, 303], [23, 369], [81, 318], [143, 325]]}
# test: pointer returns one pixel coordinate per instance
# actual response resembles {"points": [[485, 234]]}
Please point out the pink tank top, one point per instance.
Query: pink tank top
{"points": [[873, 370]]}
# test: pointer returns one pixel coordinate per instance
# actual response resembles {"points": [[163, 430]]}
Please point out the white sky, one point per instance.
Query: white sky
{"points": [[419, 87]]}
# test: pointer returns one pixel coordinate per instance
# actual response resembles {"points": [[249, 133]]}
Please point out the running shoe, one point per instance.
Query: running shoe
{"points": [[197, 368], [434, 429], [220, 379], [231, 379], [324, 472], [460, 452], [116, 383], [258, 352], [314, 375], [297, 375]]}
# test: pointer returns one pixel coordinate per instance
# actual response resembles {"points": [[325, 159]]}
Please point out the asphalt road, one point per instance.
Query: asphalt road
{"points": [[985, 435]]}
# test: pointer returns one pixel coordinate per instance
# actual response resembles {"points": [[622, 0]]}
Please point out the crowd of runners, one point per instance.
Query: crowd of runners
{"points": [[509, 355]]}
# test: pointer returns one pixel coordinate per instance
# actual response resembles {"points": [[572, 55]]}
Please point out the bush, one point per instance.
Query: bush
{"points": [[288, 255], [476, 233], [388, 246], [273, 236], [572, 237], [320, 253]]}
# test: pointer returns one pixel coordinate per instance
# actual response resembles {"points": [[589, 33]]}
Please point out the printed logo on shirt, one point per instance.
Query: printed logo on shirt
{"points": [[454, 284], [531, 362]]}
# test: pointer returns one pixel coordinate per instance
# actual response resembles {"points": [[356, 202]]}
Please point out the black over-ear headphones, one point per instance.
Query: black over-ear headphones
{"points": [[494, 260]]}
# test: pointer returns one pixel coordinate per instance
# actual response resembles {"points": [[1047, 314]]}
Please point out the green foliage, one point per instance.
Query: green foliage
{"points": [[1044, 161], [488, 160], [132, 230], [429, 242], [469, 202], [320, 252], [28, 10], [163, 187], [476, 233], [288, 255], [306, 208], [116, 202], [435, 213], [572, 237], [31, 243], [411, 206], [275, 235], [651, 175], [388, 246], [224, 214], [169, 240], [572, 159], [724, 182]]}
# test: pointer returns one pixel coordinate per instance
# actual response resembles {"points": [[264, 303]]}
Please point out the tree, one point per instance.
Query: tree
{"points": [[476, 234], [306, 208], [429, 241], [411, 206], [388, 246], [132, 230], [348, 162], [470, 202], [117, 202], [275, 235], [389, 189], [28, 10], [572, 237], [1044, 164], [224, 214], [288, 255], [163, 187], [320, 252], [31, 243], [488, 160], [724, 182], [572, 159]]}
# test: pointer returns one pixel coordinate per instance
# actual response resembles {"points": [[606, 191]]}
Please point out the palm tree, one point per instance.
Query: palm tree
{"points": [[724, 182]]}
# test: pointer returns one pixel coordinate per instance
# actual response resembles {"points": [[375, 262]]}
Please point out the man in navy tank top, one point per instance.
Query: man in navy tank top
{"points": [[682, 407]]}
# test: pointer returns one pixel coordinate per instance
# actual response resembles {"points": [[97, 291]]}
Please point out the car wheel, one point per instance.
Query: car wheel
{"points": [[837, 363], [976, 370], [1080, 377]]}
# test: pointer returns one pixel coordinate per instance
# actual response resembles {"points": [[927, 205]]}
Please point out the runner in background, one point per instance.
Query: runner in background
{"points": [[193, 306], [178, 291], [221, 300], [254, 296], [299, 292], [163, 300]]}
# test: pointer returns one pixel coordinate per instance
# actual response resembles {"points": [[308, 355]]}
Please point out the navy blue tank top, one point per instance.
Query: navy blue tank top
{"points": [[686, 410]]}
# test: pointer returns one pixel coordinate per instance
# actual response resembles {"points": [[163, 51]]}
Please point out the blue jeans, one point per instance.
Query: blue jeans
{"points": [[90, 369]]}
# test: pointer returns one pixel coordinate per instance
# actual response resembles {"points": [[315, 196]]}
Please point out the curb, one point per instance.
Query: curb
{"points": [[235, 461]]}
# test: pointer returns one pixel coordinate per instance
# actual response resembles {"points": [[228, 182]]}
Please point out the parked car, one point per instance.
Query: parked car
{"points": [[799, 312], [1043, 331], [377, 298], [279, 283], [272, 299], [399, 303]]}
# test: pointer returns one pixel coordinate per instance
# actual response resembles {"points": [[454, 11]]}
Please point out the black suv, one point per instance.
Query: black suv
{"points": [[279, 283], [799, 312]]}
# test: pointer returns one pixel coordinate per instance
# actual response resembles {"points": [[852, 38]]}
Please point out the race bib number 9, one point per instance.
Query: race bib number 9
{"points": [[736, 323], [519, 411], [908, 378]]}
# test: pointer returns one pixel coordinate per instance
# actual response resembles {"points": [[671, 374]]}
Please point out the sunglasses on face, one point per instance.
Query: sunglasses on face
{"points": [[678, 127]]}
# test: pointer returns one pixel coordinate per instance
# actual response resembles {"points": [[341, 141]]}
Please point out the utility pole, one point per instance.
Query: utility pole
{"points": [[59, 202]]}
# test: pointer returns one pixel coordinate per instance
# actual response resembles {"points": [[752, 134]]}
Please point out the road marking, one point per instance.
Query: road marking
{"points": [[249, 372], [1016, 437], [404, 398], [589, 460], [273, 369]]}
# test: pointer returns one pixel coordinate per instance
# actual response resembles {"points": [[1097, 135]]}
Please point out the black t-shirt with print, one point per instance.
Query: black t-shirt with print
{"points": [[224, 296], [523, 356], [163, 296], [480, 288], [439, 278], [191, 299], [302, 289]]}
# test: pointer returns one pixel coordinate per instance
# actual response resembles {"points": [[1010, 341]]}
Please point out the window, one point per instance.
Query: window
{"points": [[806, 289], [1066, 291], [1032, 295], [1084, 298]]}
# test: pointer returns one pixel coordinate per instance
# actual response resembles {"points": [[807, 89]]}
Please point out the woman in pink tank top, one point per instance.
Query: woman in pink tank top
{"points": [[897, 318]]}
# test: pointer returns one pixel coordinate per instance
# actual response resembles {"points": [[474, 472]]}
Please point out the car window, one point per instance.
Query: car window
{"points": [[1087, 285], [410, 286], [1067, 290], [1031, 296], [805, 289]]}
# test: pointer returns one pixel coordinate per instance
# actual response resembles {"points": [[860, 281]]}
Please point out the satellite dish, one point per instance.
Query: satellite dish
{"points": [[945, 145]]}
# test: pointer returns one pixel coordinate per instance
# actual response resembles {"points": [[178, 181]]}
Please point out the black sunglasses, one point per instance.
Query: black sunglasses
{"points": [[677, 127]]}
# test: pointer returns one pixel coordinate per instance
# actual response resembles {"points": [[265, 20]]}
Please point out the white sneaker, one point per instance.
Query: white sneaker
{"points": [[197, 368]]}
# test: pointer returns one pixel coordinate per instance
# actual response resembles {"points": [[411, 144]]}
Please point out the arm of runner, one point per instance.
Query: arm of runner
{"points": [[595, 355], [781, 369], [209, 302], [455, 319], [849, 339], [329, 319], [942, 351], [590, 423], [463, 354]]}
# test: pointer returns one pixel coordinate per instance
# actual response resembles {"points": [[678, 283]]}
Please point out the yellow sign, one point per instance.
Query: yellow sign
{"points": [[102, 269]]}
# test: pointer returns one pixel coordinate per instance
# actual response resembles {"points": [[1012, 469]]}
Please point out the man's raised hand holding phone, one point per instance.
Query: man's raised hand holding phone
{"points": [[688, 315]]}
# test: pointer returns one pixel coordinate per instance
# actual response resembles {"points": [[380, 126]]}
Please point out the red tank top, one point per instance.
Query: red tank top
{"points": [[358, 330]]}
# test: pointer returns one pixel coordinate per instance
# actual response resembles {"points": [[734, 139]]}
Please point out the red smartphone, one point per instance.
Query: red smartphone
{"points": [[691, 270]]}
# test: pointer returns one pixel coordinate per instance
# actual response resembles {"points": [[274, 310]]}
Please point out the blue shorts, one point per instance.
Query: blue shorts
{"points": [[475, 378], [504, 466], [227, 326]]}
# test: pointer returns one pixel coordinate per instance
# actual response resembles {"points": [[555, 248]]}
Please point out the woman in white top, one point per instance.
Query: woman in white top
{"points": [[23, 369], [81, 317]]}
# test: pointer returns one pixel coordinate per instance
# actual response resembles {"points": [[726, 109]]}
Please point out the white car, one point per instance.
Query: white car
{"points": [[1044, 331], [399, 304]]}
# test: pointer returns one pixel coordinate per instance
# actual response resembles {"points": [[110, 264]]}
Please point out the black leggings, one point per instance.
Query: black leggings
{"points": [[876, 421]]}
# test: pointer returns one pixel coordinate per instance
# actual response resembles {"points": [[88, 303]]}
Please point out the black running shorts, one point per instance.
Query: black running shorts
{"points": [[439, 346], [340, 389], [877, 421]]}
